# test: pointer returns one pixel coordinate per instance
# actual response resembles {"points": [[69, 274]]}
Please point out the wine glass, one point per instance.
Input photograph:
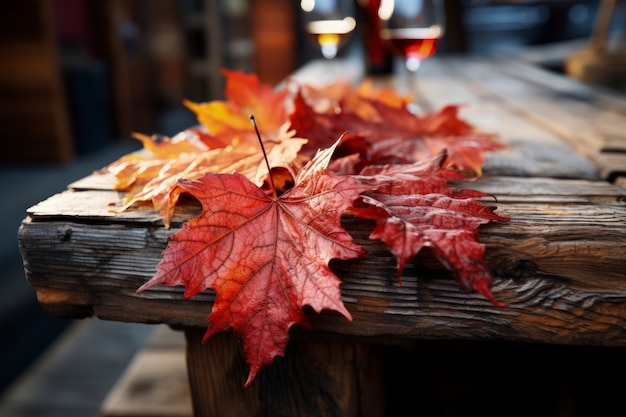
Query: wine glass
{"points": [[328, 23], [411, 30]]}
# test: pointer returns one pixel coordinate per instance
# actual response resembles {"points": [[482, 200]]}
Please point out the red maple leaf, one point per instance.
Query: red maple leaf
{"points": [[414, 208], [266, 257], [394, 135]]}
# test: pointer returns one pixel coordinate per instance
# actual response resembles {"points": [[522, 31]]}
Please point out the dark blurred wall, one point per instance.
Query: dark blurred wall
{"points": [[34, 120], [77, 74]]}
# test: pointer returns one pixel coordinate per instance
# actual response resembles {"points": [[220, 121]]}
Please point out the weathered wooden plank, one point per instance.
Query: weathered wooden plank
{"points": [[95, 203], [591, 123], [545, 261], [533, 150], [613, 164], [106, 206], [101, 180], [546, 190], [497, 185], [601, 98]]}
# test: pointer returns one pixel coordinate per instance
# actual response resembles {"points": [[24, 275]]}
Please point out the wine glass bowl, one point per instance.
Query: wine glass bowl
{"points": [[330, 35], [328, 23], [411, 29]]}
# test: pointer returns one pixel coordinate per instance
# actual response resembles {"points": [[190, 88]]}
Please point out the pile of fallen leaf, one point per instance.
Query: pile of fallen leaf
{"points": [[263, 242]]}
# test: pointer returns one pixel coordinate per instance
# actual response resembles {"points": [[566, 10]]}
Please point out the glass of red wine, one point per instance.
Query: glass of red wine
{"points": [[328, 24], [411, 30]]}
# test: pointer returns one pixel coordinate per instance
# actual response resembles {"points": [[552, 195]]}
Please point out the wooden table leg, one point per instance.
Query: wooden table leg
{"points": [[315, 378]]}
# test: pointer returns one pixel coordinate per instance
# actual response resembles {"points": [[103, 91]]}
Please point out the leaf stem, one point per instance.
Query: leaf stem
{"points": [[267, 162]]}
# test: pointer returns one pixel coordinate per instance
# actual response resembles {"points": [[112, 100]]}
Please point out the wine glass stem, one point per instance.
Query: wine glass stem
{"points": [[407, 76], [412, 63], [329, 74], [410, 81], [329, 51]]}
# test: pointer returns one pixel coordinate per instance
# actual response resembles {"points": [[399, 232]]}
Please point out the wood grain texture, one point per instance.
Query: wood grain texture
{"points": [[591, 122], [317, 378], [559, 266]]}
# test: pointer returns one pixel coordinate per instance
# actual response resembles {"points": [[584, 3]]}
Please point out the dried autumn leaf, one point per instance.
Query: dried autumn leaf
{"points": [[265, 257], [366, 90], [409, 138], [414, 208], [423, 177], [394, 134], [321, 129], [134, 170], [227, 143], [152, 176], [245, 95]]}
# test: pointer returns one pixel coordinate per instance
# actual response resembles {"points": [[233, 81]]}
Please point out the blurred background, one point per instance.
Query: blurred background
{"points": [[78, 76]]}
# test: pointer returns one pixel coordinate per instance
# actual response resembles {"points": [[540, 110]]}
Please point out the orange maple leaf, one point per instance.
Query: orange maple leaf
{"points": [[245, 95], [152, 175], [266, 257]]}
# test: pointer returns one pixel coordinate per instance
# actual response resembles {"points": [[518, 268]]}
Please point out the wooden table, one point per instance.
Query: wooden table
{"points": [[560, 266]]}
